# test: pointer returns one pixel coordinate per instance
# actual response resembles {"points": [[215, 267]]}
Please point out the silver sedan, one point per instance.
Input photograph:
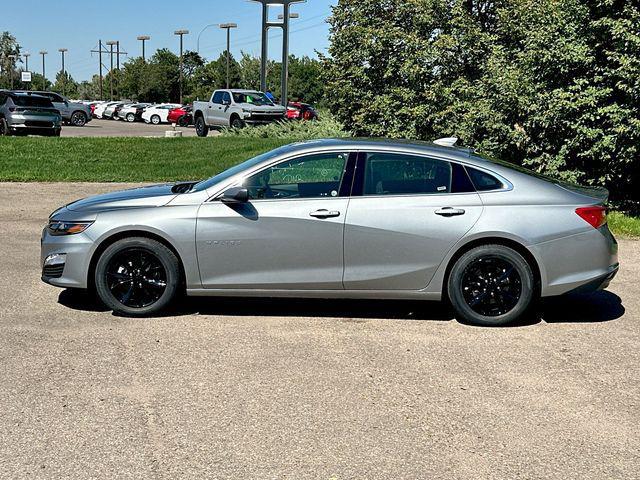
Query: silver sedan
{"points": [[341, 219]]}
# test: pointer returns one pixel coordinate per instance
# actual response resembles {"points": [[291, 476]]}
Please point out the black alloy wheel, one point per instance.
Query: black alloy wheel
{"points": [[137, 276], [78, 119], [491, 285]]}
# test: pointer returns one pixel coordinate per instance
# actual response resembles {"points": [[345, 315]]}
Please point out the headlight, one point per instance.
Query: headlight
{"points": [[59, 227]]}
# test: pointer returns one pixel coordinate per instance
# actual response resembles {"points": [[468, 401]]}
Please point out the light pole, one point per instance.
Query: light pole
{"points": [[228, 27], [12, 62], [284, 25], [111, 44], [143, 39], [181, 33], [44, 77], [64, 76], [26, 59], [200, 34]]}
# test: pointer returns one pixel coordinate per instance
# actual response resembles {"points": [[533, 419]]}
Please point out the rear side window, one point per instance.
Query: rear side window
{"points": [[32, 101], [398, 174], [484, 181]]}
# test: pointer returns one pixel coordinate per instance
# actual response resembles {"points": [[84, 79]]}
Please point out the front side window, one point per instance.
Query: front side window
{"points": [[399, 174], [217, 98], [311, 176]]}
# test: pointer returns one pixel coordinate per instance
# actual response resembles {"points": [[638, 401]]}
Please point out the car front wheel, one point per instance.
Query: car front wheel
{"points": [[131, 117], [491, 285], [155, 120], [137, 276]]}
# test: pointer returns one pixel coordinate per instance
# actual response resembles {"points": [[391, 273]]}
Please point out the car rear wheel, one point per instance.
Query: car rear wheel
{"points": [[201, 127], [491, 285], [78, 119], [137, 276], [131, 117], [155, 119]]}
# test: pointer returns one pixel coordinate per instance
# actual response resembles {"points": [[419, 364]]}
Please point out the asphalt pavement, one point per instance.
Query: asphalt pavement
{"points": [[120, 128], [301, 389]]}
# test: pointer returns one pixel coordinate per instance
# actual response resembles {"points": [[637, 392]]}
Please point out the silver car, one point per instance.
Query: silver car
{"points": [[340, 219], [28, 114], [74, 113]]}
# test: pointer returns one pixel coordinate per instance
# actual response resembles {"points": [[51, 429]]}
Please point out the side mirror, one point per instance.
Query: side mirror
{"points": [[226, 103], [235, 195]]}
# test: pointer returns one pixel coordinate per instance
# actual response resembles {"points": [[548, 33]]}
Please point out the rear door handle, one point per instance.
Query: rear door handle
{"points": [[323, 213], [449, 211]]}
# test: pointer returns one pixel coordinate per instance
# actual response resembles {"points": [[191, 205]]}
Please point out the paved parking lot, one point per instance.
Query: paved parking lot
{"points": [[119, 128], [282, 389]]}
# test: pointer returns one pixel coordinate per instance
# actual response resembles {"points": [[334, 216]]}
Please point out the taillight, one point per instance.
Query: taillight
{"points": [[594, 216]]}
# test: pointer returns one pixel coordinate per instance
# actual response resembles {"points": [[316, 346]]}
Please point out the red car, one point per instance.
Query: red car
{"points": [[182, 116], [301, 111]]}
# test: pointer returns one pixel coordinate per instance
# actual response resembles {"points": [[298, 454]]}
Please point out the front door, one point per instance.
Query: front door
{"points": [[288, 236], [407, 213]]}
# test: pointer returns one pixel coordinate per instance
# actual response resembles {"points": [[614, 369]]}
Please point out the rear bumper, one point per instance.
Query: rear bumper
{"points": [[585, 261], [22, 123]]}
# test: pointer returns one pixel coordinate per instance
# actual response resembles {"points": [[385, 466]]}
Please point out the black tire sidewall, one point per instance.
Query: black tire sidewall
{"points": [[236, 122], [454, 289], [201, 127], [4, 128], [81, 116], [161, 252]]}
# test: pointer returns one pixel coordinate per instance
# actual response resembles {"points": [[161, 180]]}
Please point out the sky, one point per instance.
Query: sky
{"points": [[78, 25]]}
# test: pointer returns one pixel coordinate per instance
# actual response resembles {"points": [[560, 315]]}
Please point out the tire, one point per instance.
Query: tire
{"points": [[236, 122], [155, 119], [491, 285], [78, 119], [123, 264], [201, 127], [4, 128], [131, 117]]}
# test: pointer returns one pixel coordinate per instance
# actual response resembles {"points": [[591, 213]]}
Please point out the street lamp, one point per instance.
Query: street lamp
{"points": [[200, 34], [143, 39], [228, 27], [181, 33], [64, 79], [12, 61], [44, 77], [26, 58]]}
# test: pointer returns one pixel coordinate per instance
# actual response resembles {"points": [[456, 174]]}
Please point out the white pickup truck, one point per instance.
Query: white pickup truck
{"points": [[235, 108]]}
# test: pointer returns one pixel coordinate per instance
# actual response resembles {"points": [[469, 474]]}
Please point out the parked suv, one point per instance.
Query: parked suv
{"points": [[235, 108], [28, 114], [74, 113]]}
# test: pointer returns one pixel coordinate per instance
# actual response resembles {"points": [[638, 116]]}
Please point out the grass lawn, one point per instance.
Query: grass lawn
{"points": [[152, 160], [24, 159]]}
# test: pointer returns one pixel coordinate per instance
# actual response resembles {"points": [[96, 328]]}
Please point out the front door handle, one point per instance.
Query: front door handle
{"points": [[323, 213], [449, 211]]}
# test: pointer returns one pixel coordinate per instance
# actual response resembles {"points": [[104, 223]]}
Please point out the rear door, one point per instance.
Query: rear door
{"points": [[406, 213], [290, 233]]}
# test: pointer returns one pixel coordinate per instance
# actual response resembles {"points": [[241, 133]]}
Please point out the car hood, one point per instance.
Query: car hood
{"points": [[263, 108], [151, 196]]}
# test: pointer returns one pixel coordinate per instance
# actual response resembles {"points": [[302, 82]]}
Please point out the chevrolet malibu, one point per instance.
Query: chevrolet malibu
{"points": [[341, 219]]}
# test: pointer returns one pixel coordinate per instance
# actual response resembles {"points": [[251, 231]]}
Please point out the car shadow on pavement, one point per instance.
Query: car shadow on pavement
{"points": [[601, 306]]}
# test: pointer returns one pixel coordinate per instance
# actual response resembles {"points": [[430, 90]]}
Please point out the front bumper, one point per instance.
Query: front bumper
{"points": [[65, 259]]}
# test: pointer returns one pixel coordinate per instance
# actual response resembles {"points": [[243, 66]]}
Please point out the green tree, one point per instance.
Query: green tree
{"points": [[65, 83], [552, 84], [9, 59]]}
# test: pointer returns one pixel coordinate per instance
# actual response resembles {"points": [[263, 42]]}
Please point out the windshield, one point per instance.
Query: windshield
{"points": [[256, 98], [221, 177], [32, 101]]}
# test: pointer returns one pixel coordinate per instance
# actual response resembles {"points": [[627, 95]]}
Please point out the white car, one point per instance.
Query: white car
{"points": [[133, 112], [100, 108], [158, 113]]}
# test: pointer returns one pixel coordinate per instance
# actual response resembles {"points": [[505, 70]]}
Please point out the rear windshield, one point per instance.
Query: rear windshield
{"points": [[31, 101]]}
